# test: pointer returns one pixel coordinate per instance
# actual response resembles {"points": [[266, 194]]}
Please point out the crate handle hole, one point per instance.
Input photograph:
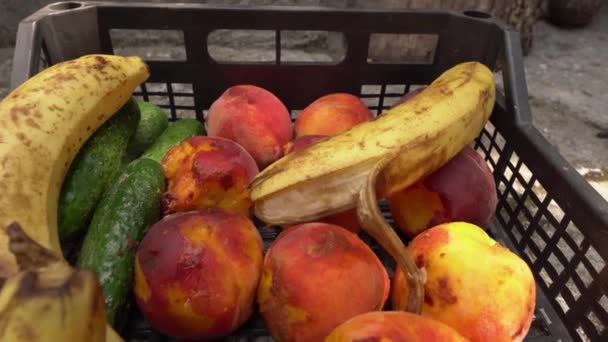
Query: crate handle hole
{"points": [[477, 14], [64, 6]]}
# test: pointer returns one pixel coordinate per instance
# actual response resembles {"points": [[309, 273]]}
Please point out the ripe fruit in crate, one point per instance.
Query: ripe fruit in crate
{"points": [[196, 273], [422, 134], [473, 284], [45, 122], [316, 276], [396, 326], [204, 172], [461, 190], [346, 219], [253, 117], [380, 157], [332, 114]]}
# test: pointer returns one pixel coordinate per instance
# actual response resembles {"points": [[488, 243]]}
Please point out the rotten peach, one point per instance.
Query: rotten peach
{"points": [[332, 114], [461, 190], [393, 326], [253, 117], [473, 284], [205, 172], [196, 273], [316, 276]]}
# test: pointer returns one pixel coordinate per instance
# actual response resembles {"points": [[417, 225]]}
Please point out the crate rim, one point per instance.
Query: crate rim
{"points": [[29, 36], [49, 10], [585, 206]]}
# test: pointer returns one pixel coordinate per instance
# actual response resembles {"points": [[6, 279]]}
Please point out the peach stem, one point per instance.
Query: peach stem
{"points": [[373, 223]]}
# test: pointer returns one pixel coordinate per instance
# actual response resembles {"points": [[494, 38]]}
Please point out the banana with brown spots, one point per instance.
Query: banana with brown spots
{"points": [[43, 124]]}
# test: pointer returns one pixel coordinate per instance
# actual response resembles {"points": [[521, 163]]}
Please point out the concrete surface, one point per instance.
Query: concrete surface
{"points": [[567, 78]]}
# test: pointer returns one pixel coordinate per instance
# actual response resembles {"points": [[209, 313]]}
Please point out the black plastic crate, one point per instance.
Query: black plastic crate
{"points": [[547, 212]]}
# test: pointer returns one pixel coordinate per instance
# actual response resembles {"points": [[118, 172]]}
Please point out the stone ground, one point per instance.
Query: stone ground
{"points": [[567, 81]]}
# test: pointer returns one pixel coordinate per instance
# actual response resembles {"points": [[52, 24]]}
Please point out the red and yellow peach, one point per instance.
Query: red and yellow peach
{"points": [[473, 284], [316, 276], [393, 326], [196, 273], [332, 114], [204, 172], [254, 118], [462, 190]]}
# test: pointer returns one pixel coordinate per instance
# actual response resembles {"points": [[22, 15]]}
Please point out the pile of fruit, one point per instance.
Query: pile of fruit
{"points": [[164, 211]]}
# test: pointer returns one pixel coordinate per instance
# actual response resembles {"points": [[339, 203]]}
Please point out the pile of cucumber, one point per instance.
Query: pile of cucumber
{"points": [[112, 193]]}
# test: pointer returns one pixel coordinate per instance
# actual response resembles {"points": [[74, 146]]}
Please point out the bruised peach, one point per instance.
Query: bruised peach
{"points": [[462, 190], [253, 117], [473, 284], [204, 172], [393, 326], [316, 276], [196, 273], [346, 219], [332, 114]]}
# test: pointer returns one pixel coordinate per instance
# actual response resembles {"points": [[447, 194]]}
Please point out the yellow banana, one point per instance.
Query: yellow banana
{"points": [[56, 304], [43, 124], [49, 300], [428, 130]]}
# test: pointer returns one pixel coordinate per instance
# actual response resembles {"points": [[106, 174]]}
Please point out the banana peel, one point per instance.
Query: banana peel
{"points": [[373, 223], [379, 158]]}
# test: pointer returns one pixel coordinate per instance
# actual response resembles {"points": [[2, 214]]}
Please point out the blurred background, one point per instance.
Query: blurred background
{"points": [[565, 43]]}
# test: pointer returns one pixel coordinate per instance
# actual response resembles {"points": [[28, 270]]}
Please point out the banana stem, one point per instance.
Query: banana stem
{"points": [[373, 223], [29, 253]]}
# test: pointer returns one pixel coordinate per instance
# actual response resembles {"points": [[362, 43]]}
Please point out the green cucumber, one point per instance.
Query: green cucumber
{"points": [[173, 135], [152, 123], [97, 162], [127, 208]]}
